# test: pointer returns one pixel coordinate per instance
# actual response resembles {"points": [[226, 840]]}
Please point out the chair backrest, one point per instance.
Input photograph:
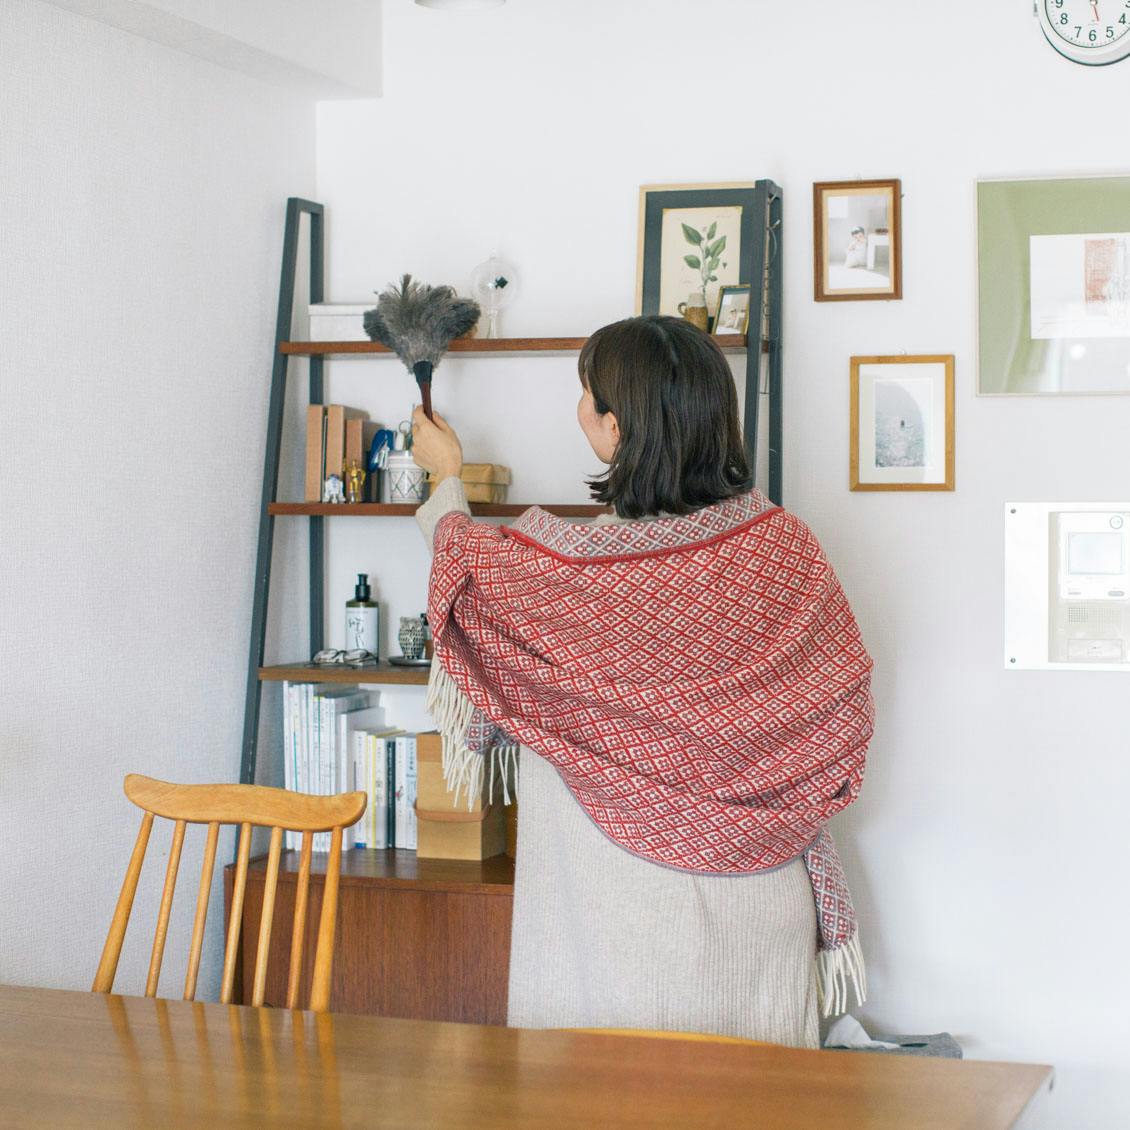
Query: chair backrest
{"points": [[245, 805]]}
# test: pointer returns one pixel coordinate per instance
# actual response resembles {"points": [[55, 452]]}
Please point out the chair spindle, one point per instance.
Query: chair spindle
{"points": [[327, 925], [298, 934], [166, 907], [112, 950], [202, 897], [270, 887], [239, 886]]}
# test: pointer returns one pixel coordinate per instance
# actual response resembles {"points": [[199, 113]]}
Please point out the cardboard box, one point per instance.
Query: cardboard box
{"points": [[446, 830], [482, 482]]}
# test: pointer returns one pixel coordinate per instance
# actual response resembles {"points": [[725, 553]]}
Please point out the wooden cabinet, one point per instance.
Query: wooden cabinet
{"points": [[426, 939]]}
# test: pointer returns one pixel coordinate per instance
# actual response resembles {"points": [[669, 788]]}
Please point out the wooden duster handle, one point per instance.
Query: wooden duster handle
{"points": [[423, 372]]}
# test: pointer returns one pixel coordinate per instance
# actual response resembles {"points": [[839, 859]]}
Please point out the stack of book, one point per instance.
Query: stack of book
{"points": [[335, 740], [334, 436]]}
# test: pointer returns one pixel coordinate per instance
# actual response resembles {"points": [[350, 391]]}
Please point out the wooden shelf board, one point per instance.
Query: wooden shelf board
{"points": [[403, 870], [479, 346], [380, 673], [408, 509]]}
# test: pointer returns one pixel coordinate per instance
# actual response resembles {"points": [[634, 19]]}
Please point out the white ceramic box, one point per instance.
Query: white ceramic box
{"points": [[338, 322]]}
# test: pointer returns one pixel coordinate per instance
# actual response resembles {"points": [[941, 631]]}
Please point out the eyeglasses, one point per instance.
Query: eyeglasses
{"points": [[331, 655]]}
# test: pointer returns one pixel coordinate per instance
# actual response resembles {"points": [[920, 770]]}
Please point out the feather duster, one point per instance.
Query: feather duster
{"points": [[418, 322]]}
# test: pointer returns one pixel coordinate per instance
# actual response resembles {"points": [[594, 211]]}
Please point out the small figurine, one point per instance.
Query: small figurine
{"points": [[332, 490], [354, 481]]}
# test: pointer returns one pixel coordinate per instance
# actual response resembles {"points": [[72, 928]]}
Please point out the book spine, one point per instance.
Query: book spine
{"points": [[303, 736], [401, 774], [374, 752], [359, 782], [390, 792], [315, 452], [288, 766], [410, 792], [325, 736]]}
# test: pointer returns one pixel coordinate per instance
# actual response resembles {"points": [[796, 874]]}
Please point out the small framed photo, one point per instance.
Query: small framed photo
{"points": [[857, 240], [694, 240], [733, 310], [902, 423]]}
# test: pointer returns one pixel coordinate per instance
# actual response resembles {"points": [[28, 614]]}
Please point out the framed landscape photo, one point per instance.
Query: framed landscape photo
{"points": [[901, 434], [857, 240], [693, 239], [733, 310], [1053, 264]]}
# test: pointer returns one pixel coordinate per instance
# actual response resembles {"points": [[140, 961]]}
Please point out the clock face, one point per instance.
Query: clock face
{"points": [[1088, 31]]}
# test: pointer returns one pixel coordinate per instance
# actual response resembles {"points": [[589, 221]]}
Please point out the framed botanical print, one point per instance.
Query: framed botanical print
{"points": [[694, 239], [1054, 286], [901, 434], [857, 240]]}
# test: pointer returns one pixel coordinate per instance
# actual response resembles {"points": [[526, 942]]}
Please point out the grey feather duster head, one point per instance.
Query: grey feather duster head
{"points": [[418, 322]]}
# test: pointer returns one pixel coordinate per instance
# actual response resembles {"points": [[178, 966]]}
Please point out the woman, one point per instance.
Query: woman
{"points": [[691, 699]]}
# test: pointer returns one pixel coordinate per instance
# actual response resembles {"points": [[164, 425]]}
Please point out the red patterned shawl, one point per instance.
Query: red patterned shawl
{"points": [[699, 683]]}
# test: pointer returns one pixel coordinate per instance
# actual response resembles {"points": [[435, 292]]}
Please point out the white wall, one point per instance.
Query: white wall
{"points": [[330, 49], [984, 853], [143, 197]]}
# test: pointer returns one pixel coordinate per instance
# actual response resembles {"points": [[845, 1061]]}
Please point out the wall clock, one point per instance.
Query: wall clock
{"points": [[1091, 32]]}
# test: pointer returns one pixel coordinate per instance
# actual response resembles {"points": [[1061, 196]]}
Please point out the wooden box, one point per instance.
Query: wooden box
{"points": [[484, 482], [445, 830]]}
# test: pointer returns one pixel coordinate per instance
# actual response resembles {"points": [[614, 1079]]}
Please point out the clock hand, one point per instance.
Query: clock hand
{"points": [[1095, 9]]}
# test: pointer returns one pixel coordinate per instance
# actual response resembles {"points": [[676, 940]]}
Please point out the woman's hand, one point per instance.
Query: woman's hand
{"points": [[435, 446]]}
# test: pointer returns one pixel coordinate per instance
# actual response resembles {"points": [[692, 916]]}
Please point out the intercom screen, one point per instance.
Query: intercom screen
{"points": [[1094, 553]]}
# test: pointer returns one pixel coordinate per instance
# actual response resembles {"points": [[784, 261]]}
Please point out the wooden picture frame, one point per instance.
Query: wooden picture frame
{"points": [[664, 274], [852, 222], [901, 433], [730, 292]]}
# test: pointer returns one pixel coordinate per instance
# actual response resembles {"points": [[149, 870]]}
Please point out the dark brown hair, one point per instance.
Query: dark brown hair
{"points": [[673, 395]]}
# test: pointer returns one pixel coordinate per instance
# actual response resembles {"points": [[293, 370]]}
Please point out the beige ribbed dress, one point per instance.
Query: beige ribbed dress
{"points": [[604, 939]]}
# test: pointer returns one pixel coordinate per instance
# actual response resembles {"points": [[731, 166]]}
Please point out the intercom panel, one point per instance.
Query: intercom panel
{"points": [[1067, 585]]}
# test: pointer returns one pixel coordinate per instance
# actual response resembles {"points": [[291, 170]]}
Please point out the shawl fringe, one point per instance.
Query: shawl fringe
{"points": [[834, 968], [464, 769]]}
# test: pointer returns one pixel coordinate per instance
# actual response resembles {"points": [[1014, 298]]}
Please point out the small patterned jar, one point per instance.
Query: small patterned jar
{"points": [[411, 637]]}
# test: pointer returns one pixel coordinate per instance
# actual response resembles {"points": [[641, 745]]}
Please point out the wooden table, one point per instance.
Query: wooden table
{"points": [[81, 1059]]}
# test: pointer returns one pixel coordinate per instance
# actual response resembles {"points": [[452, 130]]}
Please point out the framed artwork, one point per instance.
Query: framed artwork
{"points": [[694, 239], [857, 239], [902, 423], [1053, 268], [733, 310]]}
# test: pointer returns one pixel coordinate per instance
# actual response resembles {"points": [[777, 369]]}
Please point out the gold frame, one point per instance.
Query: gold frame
{"points": [[946, 359], [644, 190], [820, 192], [722, 291]]}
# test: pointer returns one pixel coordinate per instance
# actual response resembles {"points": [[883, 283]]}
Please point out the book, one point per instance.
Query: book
{"points": [[390, 790], [315, 452], [349, 723], [405, 790], [336, 416], [358, 436], [325, 774], [369, 777]]}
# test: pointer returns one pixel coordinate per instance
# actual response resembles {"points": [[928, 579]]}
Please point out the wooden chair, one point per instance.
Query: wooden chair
{"points": [[245, 805]]}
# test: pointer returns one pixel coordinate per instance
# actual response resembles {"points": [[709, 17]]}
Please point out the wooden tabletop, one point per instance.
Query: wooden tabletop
{"points": [[81, 1059]]}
